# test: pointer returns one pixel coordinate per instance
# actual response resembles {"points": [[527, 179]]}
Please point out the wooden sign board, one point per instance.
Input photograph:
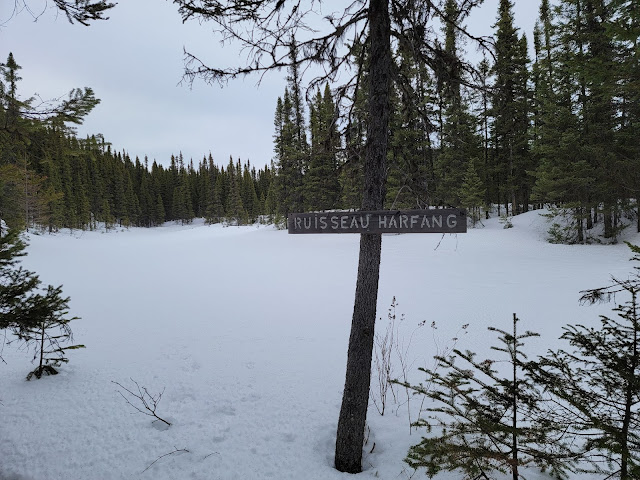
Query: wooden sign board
{"points": [[447, 220]]}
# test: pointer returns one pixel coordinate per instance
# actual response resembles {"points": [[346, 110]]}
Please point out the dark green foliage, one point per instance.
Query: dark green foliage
{"points": [[487, 417], [571, 411], [158, 212], [596, 384], [106, 216], [460, 145], [35, 315], [560, 133], [459, 140], [235, 211], [321, 180], [472, 193], [215, 210], [50, 333], [510, 110], [411, 179], [16, 283], [248, 194], [50, 179], [291, 147], [84, 11], [585, 110]]}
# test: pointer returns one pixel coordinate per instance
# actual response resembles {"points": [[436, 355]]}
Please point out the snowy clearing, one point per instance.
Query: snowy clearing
{"points": [[246, 328]]}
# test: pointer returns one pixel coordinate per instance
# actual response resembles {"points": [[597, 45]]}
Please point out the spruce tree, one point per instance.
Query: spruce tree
{"points": [[377, 21], [248, 194], [50, 333], [510, 110], [31, 139], [29, 311], [289, 154], [159, 213], [291, 147], [235, 211], [625, 29], [146, 201], [131, 203], [16, 283], [472, 193], [215, 210], [564, 177], [107, 216], [411, 181], [582, 135], [179, 206], [16, 130], [321, 180], [597, 382], [487, 171], [487, 420], [599, 111], [270, 203], [459, 140]]}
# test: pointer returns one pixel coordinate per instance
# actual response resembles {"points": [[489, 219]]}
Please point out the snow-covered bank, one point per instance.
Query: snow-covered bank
{"points": [[246, 329]]}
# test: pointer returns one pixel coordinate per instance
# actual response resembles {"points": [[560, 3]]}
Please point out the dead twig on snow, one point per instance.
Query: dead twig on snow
{"points": [[177, 450], [149, 402]]}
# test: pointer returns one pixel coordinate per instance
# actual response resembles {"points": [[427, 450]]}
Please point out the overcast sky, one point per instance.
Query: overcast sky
{"points": [[134, 63]]}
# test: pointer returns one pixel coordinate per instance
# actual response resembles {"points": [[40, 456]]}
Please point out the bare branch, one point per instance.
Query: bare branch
{"points": [[148, 402], [81, 11], [181, 450], [265, 33], [264, 29]]}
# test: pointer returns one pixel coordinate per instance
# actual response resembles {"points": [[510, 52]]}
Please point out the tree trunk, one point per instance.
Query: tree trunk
{"points": [[355, 398], [42, 329], [630, 389], [514, 404], [608, 220], [579, 229]]}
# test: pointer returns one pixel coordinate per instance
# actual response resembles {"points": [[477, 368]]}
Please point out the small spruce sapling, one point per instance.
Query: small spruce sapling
{"points": [[34, 316], [486, 422], [51, 332], [596, 385]]}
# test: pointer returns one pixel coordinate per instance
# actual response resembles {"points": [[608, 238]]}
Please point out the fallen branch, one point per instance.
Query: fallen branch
{"points": [[148, 401], [165, 455]]}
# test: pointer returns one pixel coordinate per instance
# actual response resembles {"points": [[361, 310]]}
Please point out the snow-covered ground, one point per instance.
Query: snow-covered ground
{"points": [[245, 330]]}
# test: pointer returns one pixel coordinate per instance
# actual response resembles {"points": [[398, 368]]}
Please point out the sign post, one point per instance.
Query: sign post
{"points": [[370, 224], [446, 220]]}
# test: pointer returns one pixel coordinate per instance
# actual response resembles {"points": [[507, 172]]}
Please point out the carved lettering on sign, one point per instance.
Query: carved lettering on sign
{"points": [[448, 220]]}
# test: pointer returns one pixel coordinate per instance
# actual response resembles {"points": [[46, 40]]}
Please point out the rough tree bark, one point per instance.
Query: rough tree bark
{"points": [[355, 400]]}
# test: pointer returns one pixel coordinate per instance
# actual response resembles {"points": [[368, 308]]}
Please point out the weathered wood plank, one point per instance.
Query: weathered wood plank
{"points": [[446, 220]]}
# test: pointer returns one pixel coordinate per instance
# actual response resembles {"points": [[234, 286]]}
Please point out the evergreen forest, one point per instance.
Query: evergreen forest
{"points": [[503, 136]]}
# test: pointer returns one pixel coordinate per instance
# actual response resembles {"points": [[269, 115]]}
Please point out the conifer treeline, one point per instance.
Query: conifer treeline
{"points": [[560, 131], [51, 179], [75, 184]]}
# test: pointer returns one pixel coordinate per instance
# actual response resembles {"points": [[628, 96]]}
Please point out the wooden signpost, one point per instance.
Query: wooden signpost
{"points": [[371, 225], [446, 220]]}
